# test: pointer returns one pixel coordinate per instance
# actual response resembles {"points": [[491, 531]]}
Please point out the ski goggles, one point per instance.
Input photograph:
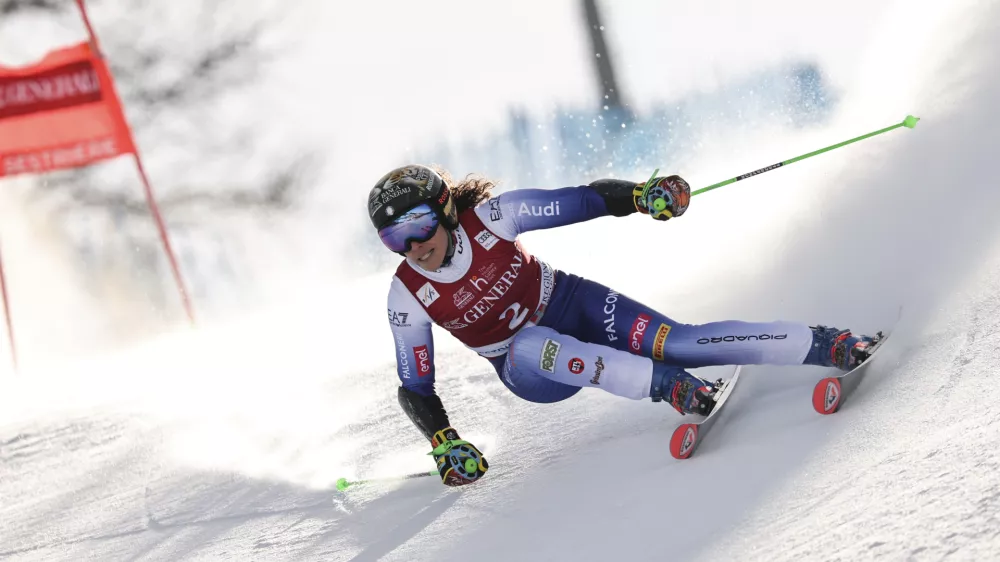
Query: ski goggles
{"points": [[416, 225]]}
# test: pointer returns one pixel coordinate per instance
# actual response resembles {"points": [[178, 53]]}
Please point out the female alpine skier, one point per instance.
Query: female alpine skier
{"points": [[550, 333]]}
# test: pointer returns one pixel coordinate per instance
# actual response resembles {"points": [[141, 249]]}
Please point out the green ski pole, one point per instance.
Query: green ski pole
{"points": [[344, 483], [910, 122]]}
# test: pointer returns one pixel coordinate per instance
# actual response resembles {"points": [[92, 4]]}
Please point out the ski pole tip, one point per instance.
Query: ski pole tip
{"points": [[342, 484], [910, 121]]}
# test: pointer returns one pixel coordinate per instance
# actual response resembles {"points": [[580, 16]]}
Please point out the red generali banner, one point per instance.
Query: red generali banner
{"points": [[61, 112]]}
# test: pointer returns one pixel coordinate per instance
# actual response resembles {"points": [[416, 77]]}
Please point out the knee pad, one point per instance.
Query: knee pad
{"points": [[551, 355], [520, 373]]}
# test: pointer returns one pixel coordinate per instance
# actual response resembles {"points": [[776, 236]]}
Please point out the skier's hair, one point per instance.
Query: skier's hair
{"points": [[469, 192]]}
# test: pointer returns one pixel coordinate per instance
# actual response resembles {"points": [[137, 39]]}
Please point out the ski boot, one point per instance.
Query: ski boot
{"points": [[839, 348], [685, 392]]}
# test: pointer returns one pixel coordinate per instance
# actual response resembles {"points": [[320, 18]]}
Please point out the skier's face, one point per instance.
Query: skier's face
{"points": [[430, 255]]}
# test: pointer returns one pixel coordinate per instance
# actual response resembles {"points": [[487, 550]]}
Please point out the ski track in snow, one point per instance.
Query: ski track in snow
{"points": [[922, 443], [908, 470]]}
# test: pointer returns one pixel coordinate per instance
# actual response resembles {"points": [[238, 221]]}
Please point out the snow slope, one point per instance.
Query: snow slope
{"points": [[227, 446]]}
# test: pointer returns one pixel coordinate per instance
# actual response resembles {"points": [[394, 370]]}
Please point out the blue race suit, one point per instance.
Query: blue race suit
{"points": [[549, 333]]}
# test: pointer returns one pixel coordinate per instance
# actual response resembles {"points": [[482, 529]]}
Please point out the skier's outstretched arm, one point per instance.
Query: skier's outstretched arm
{"points": [[524, 210], [414, 344]]}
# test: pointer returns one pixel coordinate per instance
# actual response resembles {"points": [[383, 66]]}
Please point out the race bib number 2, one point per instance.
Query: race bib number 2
{"points": [[517, 313]]}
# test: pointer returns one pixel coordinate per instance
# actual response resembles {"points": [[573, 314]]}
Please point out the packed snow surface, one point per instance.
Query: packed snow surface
{"points": [[225, 443]]}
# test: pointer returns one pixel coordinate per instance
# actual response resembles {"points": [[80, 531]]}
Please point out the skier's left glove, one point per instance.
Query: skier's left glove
{"points": [[662, 198], [459, 462]]}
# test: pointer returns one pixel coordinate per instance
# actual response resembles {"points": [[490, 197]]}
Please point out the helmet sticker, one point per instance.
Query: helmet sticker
{"points": [[449, 207], [406, 187]]}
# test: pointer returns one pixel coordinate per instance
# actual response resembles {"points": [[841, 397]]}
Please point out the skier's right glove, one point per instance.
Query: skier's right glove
{"points": [[459, 462], [662, 198]]}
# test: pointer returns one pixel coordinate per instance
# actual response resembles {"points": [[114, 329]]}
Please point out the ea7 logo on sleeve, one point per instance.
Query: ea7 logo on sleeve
{"points": [[659, 341], [428, 294], [423, 358], [550, 352], [398, 319], [486, 239], [495, 212]]}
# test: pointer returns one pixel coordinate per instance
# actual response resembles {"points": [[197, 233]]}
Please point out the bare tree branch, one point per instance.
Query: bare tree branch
{"points": [[9, 7], [280, 191], [170, 92], [233, 57]]}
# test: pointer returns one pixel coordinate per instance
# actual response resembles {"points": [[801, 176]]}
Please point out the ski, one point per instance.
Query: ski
{"points": [[688, 436], [829, 393]]}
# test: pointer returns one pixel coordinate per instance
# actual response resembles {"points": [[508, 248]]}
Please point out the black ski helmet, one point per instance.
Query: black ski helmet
{"points": [[406, 187]]}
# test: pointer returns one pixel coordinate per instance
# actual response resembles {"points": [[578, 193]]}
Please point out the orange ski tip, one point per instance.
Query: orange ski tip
{"points": [[683, 440], [826, 395]]}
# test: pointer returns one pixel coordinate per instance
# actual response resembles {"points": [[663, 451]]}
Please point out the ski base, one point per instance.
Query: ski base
{"points": [[687, 436], [829, 393]]}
